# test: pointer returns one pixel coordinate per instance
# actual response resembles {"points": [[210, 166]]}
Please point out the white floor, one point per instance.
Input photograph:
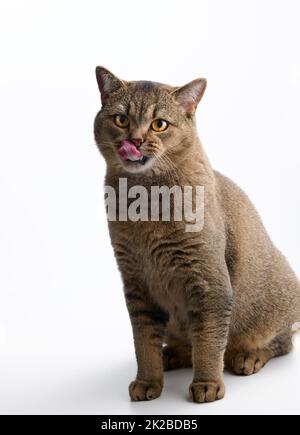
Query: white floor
{"points": [[87, 378]]}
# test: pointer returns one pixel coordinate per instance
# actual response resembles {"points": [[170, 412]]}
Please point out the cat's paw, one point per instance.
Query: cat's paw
{"points": [[207, 392], [140, 391], [247, 364]]}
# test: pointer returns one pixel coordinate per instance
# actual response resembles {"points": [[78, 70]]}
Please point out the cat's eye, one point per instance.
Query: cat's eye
{"points": [[159, 125], [121, 121]]}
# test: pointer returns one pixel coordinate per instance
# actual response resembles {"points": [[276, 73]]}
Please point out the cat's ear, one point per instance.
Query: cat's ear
{"points": [[108, 83], [190, 95]]}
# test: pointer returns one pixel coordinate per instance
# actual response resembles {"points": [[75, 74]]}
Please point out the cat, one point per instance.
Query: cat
{"points": [[220, 297]]}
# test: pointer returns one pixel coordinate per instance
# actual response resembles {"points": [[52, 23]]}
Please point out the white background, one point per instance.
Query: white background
{"points": [[65, 338]]}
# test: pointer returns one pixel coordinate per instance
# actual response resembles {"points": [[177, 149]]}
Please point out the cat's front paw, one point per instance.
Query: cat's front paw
{"points": [[207, 392], [140, 391]]}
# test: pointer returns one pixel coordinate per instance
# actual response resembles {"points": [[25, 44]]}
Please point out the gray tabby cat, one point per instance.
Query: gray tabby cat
{"points": [[222, 295]]}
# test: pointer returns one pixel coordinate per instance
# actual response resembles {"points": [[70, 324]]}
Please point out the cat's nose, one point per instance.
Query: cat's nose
{"points": [[137, 142]]}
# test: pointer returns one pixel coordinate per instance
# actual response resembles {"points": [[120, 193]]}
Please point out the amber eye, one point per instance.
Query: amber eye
{"points": [[121, 121], [159, 125]]}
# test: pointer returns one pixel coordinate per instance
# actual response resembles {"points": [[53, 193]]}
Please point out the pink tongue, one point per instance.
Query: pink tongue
{"points": [[129, 151]]}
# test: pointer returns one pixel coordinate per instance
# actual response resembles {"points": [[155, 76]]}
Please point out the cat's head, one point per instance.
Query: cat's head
{"points": [[142, 124]]}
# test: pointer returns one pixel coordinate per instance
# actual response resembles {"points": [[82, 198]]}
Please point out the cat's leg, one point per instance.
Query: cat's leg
{"points": [[249, 362], [148, 324], [210, 308], [177, 356]]}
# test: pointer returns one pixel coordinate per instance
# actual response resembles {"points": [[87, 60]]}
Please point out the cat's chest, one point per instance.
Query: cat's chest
{"points": [[154, 254], [143, 240], [143, 244]]}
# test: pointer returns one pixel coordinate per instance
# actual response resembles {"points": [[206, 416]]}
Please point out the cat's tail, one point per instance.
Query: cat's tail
{"points": [[296, 325], [296, 328]]}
